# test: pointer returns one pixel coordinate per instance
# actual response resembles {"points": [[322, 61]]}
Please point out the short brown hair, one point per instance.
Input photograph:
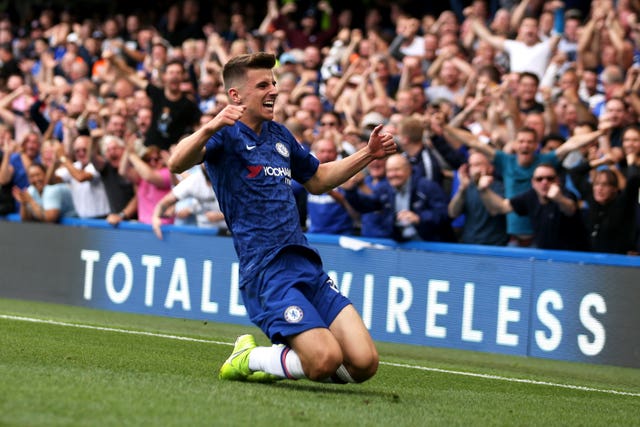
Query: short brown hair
{"points": [[412, 128], [237, 66], [610, 177]]}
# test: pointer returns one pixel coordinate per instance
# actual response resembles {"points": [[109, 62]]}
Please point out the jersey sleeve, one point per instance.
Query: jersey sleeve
{"points": [[214, 146], [303, 164]]}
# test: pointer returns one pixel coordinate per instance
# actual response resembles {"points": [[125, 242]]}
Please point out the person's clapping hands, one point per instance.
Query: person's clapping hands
{"points": [[463, 176], [485, 182]]}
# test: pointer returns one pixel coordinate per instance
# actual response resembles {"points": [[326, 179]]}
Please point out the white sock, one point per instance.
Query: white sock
{"points": [[343, 375], [276, 360]]}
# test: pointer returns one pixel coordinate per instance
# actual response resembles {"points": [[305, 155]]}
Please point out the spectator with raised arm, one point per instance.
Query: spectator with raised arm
{"points": [[611, 196], [553, 212], [517, 169], [480, 227], [154, 180], [120, 189], [174, 114], [13, 169], [526, 52], [304, 27], [7, 202], [87, 189]]}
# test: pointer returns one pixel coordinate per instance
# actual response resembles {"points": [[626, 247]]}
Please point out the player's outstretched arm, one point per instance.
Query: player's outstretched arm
{"points": [[190, 150], [332, 174]]}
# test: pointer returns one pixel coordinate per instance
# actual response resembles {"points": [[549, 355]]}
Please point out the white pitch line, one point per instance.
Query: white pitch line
{"points": [[103, 328], [513, 380], [398, 365]]}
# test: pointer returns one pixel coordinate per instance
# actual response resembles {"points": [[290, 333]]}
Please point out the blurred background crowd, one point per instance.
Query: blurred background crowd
{"points": [[516, 122]]}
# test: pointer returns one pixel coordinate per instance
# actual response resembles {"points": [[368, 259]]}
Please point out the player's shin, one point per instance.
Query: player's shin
{"points": [[280, 361]]}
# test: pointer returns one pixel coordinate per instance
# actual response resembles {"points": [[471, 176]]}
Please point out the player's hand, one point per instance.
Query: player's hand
{"points": [[227, 117], [381, 144]]}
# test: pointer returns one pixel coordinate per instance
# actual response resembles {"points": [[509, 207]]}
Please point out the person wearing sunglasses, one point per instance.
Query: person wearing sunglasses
{"points": [[553, 211], [516, 167]]}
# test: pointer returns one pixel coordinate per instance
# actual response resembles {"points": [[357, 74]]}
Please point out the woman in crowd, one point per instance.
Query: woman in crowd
{"points": [[155, 180]]}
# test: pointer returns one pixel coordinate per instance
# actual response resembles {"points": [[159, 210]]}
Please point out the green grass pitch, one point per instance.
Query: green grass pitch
{"points": [[87, 367]]}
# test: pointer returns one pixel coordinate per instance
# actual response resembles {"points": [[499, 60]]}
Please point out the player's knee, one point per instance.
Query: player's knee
{"points": [[364, 367], [323, 365]]}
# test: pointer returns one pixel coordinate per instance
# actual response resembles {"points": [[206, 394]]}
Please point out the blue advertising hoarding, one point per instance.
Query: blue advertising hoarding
{"points": [[578, 307]]}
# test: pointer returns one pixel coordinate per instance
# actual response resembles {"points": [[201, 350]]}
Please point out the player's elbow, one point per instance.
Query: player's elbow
{"points": [[175, 166], [316, 186]]}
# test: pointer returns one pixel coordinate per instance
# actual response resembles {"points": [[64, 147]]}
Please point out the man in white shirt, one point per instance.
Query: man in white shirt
{"points": [[204, 206], [527, 52], [87, 188]]}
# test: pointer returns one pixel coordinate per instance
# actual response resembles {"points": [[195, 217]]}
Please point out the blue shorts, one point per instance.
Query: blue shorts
{"points": [[292, 295]]}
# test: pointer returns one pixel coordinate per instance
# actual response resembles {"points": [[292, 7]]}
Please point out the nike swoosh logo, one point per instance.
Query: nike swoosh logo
{"points": [[250, 147]]}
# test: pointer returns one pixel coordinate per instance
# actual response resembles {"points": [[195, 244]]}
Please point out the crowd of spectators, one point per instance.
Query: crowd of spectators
{"points": [[517, 122]]}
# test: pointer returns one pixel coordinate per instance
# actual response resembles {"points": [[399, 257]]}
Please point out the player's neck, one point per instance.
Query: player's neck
{"points": [[254, 125]]}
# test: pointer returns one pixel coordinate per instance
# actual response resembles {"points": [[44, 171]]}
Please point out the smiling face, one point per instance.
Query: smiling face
{"points": [[258, 95], [631, 141], [113, 150], [527, 88], [398, 170], [36, 175]]}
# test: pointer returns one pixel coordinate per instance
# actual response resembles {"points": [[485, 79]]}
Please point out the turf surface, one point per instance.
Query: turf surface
{"points": [[97, 374]]}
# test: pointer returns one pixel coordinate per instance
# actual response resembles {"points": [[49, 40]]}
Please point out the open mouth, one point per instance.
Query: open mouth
{"points": [[269, 104]]}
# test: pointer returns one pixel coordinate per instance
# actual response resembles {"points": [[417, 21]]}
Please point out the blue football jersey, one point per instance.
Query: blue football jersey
{"points": [[251, 175]]}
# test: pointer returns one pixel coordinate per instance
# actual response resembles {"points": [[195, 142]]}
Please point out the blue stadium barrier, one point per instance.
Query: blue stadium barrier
{"points": [[549, 304]]}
